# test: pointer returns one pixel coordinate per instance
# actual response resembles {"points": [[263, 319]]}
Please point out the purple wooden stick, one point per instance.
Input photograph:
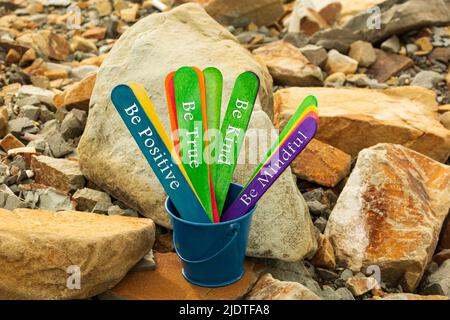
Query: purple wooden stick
{"points": [[279, 161]]}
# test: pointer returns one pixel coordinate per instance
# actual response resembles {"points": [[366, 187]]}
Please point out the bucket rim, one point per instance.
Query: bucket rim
{"points": [[250, 212]]}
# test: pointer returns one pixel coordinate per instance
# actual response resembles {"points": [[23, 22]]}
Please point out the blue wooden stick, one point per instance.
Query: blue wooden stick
{"points": [[158, 155]]}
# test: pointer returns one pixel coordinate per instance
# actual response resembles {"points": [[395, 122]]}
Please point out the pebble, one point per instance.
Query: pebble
{"points": [[391, 45], [427, 79]]}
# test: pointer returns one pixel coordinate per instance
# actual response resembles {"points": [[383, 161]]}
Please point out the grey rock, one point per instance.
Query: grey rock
{"points": [[118, 211], [73, 124], [53, 200], [327, 275], [57, 3], [45, 114], [87, 199], [83, 71], [21, 125], [57, 145], [8, 200], [321, 224], [438, 283], [346, 274], [297, 39], [344, 294], [411, 48], [316, 208], [44, 95], [427, 79], [147, 263], [315, 54], [27, 100], [29, 111], [391, 45]]}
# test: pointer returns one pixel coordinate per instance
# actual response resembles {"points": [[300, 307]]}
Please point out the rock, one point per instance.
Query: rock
{"points": [[25, 152], [73, 124], [28, 57], [359, 286], [132, 181], [322, 164], [56, 74], [268, 288], [335, 80], [31, 112], [391, 45], [338, 62], [57, 3], [47, 198], [21, 125], [46, 43], [363, 53], [167, 283], [315, 54], [57, 144], [388, 64], [61, 174], [363, 81], [87, 199], [116, 210], [306, 19], [324, 257], [373, 224], [129, 14], [82, 44], [77, 95], [29, 237], [410, 296], [442, 256], [44, 96], [3, 121], [354, 119], [445, 235], [147, 263], [288, 66], [327, 200], [93, 61], [427, 79], [97, 33], [320, 224], [425, 46], [438, 283], [441, 54], [316, 208], [396, 17], [241, 13], [103, 7], [12, 57], [9, 201], [10, 142], [83, 71]]}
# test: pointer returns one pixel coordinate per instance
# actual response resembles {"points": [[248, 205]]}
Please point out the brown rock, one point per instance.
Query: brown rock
{"points": [[324, 257], [445, 235], [47, 43], [77, 95], [241, 13], [12, 56], [56, 74], [62, 174], [338, 62], [329, 11], [322, 164], [129, 14], [4, 117], [25, 152], [82, 44], [311, 21], [87, 199], [268, 288], [103, 7], [287, 65], [97, 33], [410, 296], [10, 142], [444, 108], [359, 286], [28, 57], [167, 283], [445, 119], [363, 52], [42, 251], [441, 256], [354, 119], [94, 61], [425, 46], [388, 64], [441, 54], [390, 213]]}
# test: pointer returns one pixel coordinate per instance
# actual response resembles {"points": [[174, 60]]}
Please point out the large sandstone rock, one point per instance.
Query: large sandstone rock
{"points": [[40, 251], [109, 157], [396, 17], [354, 119], [390, 213]]}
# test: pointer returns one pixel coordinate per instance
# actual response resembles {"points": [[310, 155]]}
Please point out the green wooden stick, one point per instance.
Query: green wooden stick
{"points": [[233, 130], [191, 129], [213, 87]]}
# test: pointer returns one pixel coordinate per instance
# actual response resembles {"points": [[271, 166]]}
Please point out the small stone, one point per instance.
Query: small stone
{"points": [[82, 44], [31, 112], [147, 263], [73, 124], [129, 14], [445, 119], [425, 46], [324, 257], [346, 274], [359, 286], [44, 96], [97, 33], [344, 294], [321, 224], [12, 57], [438, 283], [62, 174], [427, 79], [52, 199], [441, 54], [337, 62], [164, 242], [363, 81], [83, 72], [77, 95], [268, 288], [87, 199], [363, 52], [56, 74], [388, 65], [8, 200], [103, 7], [315, 54], [335, 80], [391, 45], [327, 275], [10, 142], [21, 125], [316, 208], [441, 256], [411, 48], [3, 121], [118, 211], [94, 61]]}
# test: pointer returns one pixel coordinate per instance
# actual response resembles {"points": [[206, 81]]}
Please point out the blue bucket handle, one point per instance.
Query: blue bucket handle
{"points": [[234, 228]]}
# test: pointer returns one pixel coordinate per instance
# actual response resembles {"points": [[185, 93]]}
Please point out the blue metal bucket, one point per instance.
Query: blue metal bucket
{"points": [[212, 255]]}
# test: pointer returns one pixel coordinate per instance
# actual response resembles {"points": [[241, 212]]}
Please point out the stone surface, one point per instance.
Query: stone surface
{"points": [[391, 45], [288, 66], [46, 43], [359, 285], [10, 142], [397, 16], [315, 54], [241, 12], [167, 283], [77, 95], [363, 52], [375, 220], [338, 62], [440, 257], [109, 157], [324, 257], [354, 119], [410, 296], [88, 198], [438, 283], [322, 164], [104, 248], [427, 79], [61, 174], [268, 288], [388, 65]]}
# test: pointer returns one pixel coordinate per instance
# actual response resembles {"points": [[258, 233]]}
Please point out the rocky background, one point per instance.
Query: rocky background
{"points": [[371, 220]]}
